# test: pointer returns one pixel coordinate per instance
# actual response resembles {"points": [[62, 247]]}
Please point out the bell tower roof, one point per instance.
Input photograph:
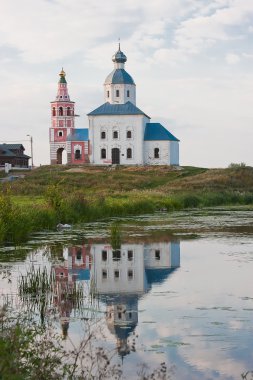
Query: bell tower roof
{"points": [[62, 75], [62, 93]]}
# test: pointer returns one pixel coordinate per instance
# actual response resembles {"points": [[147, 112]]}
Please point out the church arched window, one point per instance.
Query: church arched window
{"points": [[53, 112], [68, 111], [129, 134], [60, 133], [60, 111], [79, 254], [115, 134], [117, 93], [156, 153], [103, 135], [103, 153], [129, 153], [128, 93], [77, 154], [108, 94]]}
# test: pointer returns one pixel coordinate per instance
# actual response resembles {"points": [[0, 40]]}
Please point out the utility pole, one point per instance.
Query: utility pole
{"points": [[31, 141]]}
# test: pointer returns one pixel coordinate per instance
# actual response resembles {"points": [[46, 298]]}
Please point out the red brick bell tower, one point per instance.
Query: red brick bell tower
{"points": [[62, 123]]}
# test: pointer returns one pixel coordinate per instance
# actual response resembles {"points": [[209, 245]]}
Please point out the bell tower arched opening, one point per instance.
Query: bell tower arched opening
{"points": [[61, 156]]}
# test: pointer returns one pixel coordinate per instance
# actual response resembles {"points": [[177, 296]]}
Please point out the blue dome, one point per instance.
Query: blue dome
{"points": [[119, 76], [119, 57]]}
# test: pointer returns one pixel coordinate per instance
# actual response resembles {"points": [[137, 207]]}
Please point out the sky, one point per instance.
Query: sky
{"points": [[191, 61]]}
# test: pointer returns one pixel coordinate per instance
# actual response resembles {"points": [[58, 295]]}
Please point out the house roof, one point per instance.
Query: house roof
{"points": [[80, 134], [13, 146], [155, 131], [119, 76], [6, 150], [127, 108]]}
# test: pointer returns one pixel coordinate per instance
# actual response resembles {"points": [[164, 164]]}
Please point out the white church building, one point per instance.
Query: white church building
{"points": [[119, 132]]}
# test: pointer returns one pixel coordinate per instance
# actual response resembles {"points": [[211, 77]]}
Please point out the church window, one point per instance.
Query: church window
{"points": [[128, 93], [77, 154], [103, 153], [119, 315], [130, 315], [129, 153], [116, 273], [60, 111], [104, 274], [117, 93], [116, 255], [79, 254], [129, 134], [108, 94], [115, 134], [68, 111], [60, 134], [157, 254], [130, 255], [130, 274], [103, 135], [156, 153], [104, 255], [53, 112]]}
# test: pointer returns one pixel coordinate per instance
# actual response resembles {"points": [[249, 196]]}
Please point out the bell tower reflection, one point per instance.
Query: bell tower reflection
{"points": [[75, 267]]}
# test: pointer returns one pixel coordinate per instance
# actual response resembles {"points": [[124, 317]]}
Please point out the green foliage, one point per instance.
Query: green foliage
{"points": [[237, 166], [30, 352], [60, 194], [55, 199], [115, 236], [15, 223]]}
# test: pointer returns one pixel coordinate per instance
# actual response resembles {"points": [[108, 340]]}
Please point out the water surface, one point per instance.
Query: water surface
{"points": [[177, 290]]}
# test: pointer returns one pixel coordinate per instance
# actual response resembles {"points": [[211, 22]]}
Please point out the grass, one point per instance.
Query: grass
{"points": [[53, 194]]}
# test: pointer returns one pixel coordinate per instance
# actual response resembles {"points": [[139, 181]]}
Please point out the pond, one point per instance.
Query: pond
{"points": [[167, 288]]}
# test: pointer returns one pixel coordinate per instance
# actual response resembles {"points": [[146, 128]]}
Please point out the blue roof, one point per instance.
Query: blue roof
{"points": [[155, 131], [81, 134], [127, 108], [119, 76], [82, 274], [158, 276]]}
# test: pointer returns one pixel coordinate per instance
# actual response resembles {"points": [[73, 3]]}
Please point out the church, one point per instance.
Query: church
{"points": [[119, 132]]}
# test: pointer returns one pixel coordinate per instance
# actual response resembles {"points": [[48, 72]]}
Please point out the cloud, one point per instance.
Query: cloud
{"points": [[183, 55], [203, 31], [232, 59]]}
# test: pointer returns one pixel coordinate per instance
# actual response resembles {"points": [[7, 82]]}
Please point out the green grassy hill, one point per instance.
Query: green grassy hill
{"points": [[52, 194], [96, 180]]}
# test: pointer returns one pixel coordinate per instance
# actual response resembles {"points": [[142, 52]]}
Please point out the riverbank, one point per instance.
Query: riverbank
{"points": [[50, 195]]}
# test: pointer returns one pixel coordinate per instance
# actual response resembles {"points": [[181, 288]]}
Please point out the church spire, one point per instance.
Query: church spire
{"points": [[119, 86], [62, 93], [119, 59], [62, 75]]}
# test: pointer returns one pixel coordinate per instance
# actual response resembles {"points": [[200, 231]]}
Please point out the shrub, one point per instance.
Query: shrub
{"points": [[236, 166]]}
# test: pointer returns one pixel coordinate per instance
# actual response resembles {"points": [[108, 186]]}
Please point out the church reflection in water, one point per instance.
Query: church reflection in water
{"points": [[121, 277]]}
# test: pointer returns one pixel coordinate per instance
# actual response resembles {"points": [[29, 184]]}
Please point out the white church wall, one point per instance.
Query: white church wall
{"points": [[124, 90], [174, 153], [121, 124], [130, 271], [164, 152], [162, 255]]}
